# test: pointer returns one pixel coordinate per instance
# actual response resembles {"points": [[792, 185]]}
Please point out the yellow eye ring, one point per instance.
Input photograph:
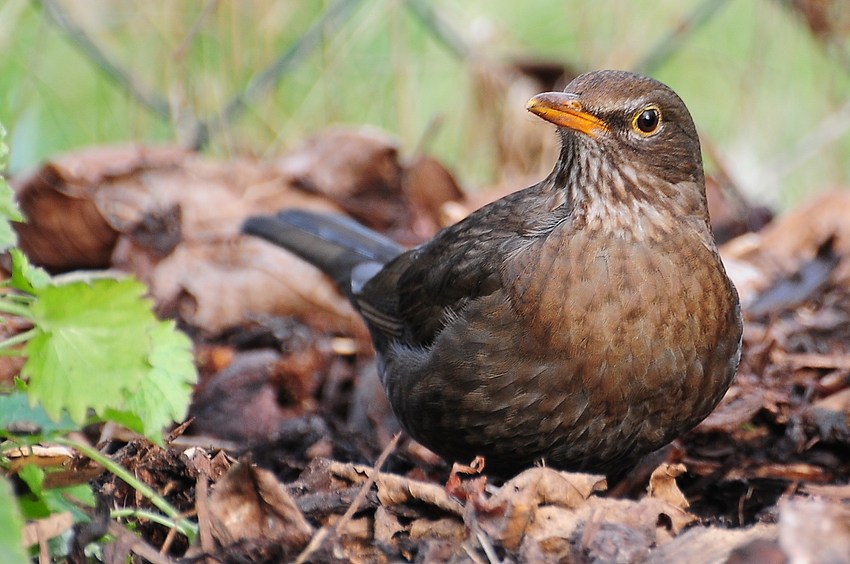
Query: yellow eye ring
{"points": [[647, 121]]}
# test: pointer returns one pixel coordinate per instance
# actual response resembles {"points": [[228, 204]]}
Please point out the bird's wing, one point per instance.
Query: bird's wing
{"points": [[415, 294]]}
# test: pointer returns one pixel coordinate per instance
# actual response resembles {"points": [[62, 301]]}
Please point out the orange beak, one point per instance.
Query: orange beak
{"points": [[562, 108]]}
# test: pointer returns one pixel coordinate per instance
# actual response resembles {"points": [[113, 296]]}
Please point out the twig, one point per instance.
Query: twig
{"points": [[488, 547], [180, 51], [313, 545], [203, 508], [428, 136], [169, 539], [144, 95], [137, 545], [320, 536], [438, 26], [470, 551], [271, 75], [43, 549], [668, 46], [483, 540], [361, 495]]}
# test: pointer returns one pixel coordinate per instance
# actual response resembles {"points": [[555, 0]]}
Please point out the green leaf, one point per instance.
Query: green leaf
{"points": [[4, 148], [166, 391], [127, 419], [9, 210], [44, 501], [33, 504], [18, 417], [11, 524], [92, 348], [100, 347], [25, 276]]}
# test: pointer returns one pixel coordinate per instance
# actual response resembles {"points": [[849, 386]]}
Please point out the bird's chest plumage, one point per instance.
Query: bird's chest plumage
{"points": [[618, 306]]}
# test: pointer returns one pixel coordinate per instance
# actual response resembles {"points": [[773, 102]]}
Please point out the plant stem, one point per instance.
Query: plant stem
{"points": [[7, 306], [184, 525], [156, 518], [17, 298], [17, 339]]}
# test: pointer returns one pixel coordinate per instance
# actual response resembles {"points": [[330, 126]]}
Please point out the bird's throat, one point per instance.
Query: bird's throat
{"points": [[609, 196]]}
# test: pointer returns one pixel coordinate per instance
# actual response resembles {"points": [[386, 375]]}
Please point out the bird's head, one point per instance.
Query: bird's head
{"points": [[637, 118]]}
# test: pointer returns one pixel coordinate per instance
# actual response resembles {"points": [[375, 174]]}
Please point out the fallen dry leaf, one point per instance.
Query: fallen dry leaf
{"points": [[445, 529], [127, 207], [65, 228], [47, 528], [387, 525], [552, 487], [430, 187], [831, 416], [758, 551], [249, 503], [783, 246], [814, 531], [608, 528], [394, 489], [509, 513], [663, 486], [172, 218], [708, 545], [838, 492], [358, 169]]}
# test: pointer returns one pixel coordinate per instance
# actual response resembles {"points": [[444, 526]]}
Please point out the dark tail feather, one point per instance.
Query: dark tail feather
{"points": [[334, 243]]}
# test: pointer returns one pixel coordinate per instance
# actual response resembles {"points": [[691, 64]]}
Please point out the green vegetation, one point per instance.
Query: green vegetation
{"points": [[754, 76], [96, 352]]}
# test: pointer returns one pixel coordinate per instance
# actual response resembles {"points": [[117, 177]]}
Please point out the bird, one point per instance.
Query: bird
{"points": [[580, 323]]}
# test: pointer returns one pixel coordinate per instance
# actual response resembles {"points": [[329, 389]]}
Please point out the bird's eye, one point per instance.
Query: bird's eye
{"points": [[647, 121]]}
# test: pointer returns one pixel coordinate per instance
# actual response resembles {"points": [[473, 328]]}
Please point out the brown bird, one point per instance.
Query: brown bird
{"points": [[583, 322]]}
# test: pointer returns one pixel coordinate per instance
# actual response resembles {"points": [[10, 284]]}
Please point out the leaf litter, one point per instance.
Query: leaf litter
{"points": [[288, 418]]}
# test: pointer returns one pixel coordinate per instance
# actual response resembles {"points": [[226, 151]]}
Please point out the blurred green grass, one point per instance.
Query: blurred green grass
{"points": [[754, 77]]}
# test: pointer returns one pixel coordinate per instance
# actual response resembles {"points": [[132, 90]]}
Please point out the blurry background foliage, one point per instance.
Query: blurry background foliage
{"points": [[768, 87]]}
